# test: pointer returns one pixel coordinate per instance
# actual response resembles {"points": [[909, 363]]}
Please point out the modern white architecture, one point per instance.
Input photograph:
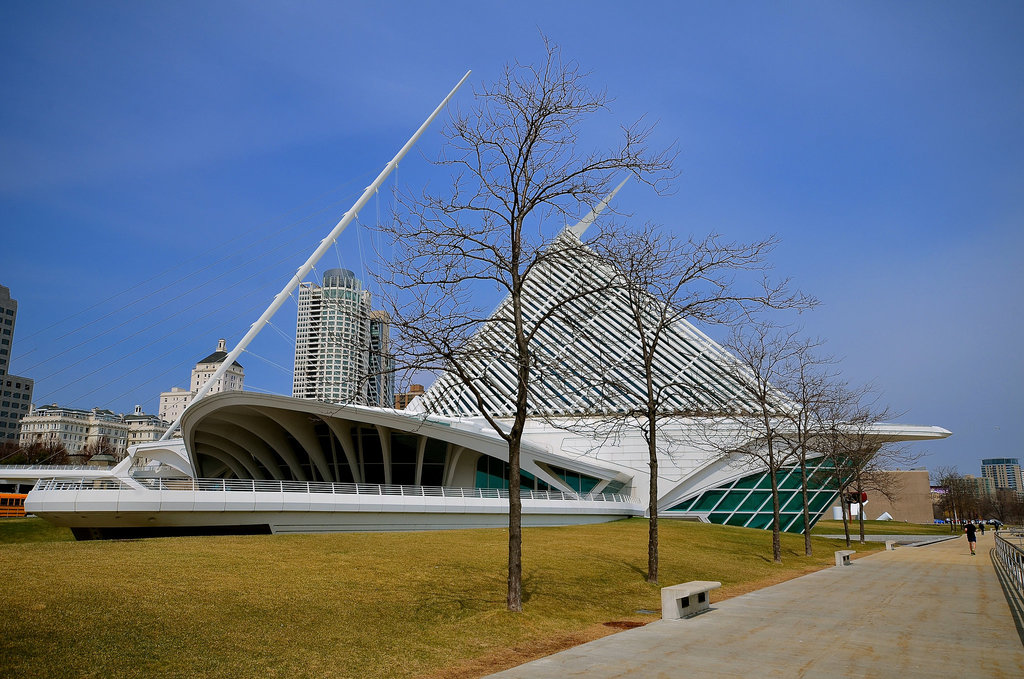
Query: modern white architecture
{"points": [[321, 461], [254, 462], [342, 347]]}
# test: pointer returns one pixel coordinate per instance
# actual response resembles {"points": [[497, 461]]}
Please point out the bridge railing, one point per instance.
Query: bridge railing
{"points": [[47, 467], [264, 486], [1010, 551]]}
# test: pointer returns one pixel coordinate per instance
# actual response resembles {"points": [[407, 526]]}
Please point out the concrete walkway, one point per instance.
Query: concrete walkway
{"points": [[932, 611]]}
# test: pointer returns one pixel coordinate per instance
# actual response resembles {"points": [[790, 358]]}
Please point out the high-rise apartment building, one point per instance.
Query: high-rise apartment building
{"points": [[381, 366], [1004, 471], [980, 486], [174, 402], [16, 391], [342, 346]]}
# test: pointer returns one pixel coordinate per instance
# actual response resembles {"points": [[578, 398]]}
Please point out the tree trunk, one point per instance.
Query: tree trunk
{"points": [[808, 551], [776, 526], [514, 600], [846, 515], [652, 507], [860, 515]]}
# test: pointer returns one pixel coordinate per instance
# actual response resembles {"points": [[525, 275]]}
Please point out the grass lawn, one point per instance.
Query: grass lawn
{"points": [[829, 527], [32, 530], [427, 604]]}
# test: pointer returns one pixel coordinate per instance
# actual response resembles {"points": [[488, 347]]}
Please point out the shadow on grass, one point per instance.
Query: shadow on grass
{"points": [[626, 565], [449, 602]]}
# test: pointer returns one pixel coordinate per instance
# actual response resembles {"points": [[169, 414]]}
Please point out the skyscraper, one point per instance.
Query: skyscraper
{"points": [[1004, 471], [16, 390], [342, 346]]}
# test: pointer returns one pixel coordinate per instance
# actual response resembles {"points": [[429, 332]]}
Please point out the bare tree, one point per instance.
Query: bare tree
{"points": [[516, 166], [754, 425], [38, 452], [861, 455], [960, 499], [101, 446], [808, 381], [665, 282]]}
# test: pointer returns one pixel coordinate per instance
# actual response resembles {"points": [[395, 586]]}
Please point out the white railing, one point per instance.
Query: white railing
{"points": [[1010, 551], [48, 467], [257, 486]]}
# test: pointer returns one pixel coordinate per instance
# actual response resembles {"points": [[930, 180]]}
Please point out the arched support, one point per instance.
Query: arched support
{"points": [[421, 448], [253, 444], [302, 431], [235, 451], [343, 433], [385, 448]]}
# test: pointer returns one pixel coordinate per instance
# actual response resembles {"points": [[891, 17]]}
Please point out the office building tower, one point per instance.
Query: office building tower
{"points": [[174, 402], [1004, 471], [381, 367], [16, 391], [342, 346]]}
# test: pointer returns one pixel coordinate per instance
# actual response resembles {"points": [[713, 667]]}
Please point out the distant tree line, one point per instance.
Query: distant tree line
{"points": [[962, 500], [53, 452]]}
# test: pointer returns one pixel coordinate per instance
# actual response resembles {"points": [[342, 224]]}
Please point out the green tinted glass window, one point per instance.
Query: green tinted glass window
{"points": [[708, 500], [792, 501], [756, 501], [685, 505], [820, 501], [796, 525], [790, 480], [731, 501], [739, 519], [747, 481]]}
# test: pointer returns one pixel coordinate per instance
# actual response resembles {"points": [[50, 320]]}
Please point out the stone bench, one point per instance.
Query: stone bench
{"points": [[890, 545], [687, 599], [843, 556]]}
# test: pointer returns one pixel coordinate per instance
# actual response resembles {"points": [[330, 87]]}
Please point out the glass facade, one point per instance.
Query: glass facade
{"points": [[747, 501], [581, 483], [493, 473]]}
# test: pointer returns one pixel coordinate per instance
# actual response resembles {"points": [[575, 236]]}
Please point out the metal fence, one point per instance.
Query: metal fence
{"points": [[47, 467], [1010, 551], [259, 486]]}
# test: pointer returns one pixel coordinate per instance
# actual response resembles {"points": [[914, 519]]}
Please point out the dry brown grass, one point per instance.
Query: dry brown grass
{"points": [[351, 605]]}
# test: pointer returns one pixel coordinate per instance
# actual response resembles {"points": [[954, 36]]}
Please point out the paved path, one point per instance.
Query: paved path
{"points": [[932, 611]]}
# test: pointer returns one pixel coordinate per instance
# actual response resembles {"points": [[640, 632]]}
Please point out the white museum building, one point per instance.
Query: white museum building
{"points": [[251, 462]]}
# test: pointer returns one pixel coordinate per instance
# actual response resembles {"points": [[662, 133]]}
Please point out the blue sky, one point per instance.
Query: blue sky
{"points": [[189, 155]]}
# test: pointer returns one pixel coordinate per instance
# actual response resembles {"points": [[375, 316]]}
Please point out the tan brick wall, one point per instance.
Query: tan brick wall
{"points": [[913, 503]]}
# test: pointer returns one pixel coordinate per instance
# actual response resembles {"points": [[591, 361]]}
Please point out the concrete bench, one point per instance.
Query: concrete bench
{"points": [[687, 599], [890, 545], [843, 556]]}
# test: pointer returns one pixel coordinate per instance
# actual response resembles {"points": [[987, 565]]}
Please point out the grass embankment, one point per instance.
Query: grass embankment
{"points": [[829, 527], [32, 530], [352, 605]]}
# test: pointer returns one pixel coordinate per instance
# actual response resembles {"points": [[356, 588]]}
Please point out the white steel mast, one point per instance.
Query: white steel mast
{"points": [[304, 270]]}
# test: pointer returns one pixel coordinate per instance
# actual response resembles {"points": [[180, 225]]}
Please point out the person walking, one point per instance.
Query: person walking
{"points": [[972, 537], [982, 527]]}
